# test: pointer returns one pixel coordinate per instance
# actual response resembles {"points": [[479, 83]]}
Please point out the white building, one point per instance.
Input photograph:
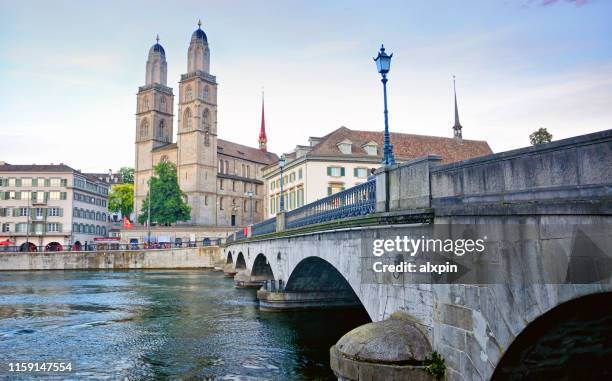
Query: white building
{"points": [[345, 158], [51, 206]]}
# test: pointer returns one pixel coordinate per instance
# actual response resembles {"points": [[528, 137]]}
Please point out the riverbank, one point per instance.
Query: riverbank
{"points": [[176, 258]]}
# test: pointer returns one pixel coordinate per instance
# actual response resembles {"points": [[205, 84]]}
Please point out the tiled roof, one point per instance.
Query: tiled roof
{"points": [[35, 168], [245, 152], [405, 146]]}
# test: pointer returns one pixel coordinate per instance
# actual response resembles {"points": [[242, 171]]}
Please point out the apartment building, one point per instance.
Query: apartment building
{"points": [[345, 158], [52, 207]]}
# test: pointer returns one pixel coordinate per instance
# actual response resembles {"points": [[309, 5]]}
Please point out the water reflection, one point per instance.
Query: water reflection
{"points": [[162, 324]]}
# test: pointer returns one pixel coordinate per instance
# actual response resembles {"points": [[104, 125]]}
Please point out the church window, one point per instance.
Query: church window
{"points": [[187, 120], [206, 119], [206, 90], [161, 133], [233, 186], [189, 93], [243, 170], [162, 101], [206, 138], [205, 199], [220, 166], [227, 167], [248, 171], [221, 184], [144, 129], [146, 103], [245, 205], [220, 203]]}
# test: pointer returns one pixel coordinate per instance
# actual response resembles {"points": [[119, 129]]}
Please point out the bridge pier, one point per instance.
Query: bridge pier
{"points": [[229, 270], [392, 349], [245, 280], [281, 300]]}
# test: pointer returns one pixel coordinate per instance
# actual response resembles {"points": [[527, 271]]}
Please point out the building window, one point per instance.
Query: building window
{"points": [[345, 147], [23, 212], [161, 131], [220, 166], [300, 174], [335, 171], [53, 227], [221, 184], [245, 205], [6, 228], [361, 173], [233, 186], [188, 93], [205, 199], [206, 92], [206, 119], [371, 150], [334, 188], [187, 120], [300, 197], [221, 203], [144, 129]]}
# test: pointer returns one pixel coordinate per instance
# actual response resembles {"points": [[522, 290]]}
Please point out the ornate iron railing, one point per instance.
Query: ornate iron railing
{"points": [[356, 201], [265, 227]]}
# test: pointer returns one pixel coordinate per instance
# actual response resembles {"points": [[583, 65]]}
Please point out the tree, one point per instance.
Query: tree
{"points": [[121, 199], [127, 175], [540, 136], [167, 201]]}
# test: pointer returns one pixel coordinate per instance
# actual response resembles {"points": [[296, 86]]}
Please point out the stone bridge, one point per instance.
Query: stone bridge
{"points": [[549, 209]]}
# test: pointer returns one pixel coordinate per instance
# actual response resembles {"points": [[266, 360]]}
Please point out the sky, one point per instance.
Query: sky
{"points": [[70, 70]]}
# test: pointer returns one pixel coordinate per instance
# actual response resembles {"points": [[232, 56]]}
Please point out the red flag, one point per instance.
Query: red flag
{"points": [[246, 231], [126, 223]]}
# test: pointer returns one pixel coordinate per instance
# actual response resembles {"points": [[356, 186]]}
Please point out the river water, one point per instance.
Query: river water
{"points": [[161, 325]]}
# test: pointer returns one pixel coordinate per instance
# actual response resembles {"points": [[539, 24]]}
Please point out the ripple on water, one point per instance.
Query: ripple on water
{"points": [[158, 325]]}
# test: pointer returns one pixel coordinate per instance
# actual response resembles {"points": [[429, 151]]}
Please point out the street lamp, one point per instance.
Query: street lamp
{"points": [[383, 64], [249, 194], [281, 164]]}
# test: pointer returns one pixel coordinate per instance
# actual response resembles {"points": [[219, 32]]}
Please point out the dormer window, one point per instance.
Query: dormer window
{"points": [[345, 146], [371, 148]]}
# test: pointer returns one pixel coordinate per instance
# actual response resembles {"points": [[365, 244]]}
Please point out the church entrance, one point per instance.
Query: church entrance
{"points": [[233, 220]]}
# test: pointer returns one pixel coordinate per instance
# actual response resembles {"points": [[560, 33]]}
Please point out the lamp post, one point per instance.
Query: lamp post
{"points": [[383, 64], [249, 194], [281, 164]]}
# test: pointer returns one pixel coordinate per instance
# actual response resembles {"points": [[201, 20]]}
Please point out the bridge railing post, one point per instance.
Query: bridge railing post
{"points": [[281, 221], [405, 186]]}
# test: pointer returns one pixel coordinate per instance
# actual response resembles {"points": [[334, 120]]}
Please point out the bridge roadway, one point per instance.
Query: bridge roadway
{"points": [[553, 203]]}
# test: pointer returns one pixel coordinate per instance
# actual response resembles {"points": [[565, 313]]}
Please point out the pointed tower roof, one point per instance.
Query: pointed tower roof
{"points": [[263, 140], [457, 127]]}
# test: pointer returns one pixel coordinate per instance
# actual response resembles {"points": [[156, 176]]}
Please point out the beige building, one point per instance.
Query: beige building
{"points": [[216, 175], [62, 207], [345, 158]]}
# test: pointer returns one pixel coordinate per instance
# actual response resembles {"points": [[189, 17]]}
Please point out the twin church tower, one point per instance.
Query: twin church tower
{"points": [[215, 174]]}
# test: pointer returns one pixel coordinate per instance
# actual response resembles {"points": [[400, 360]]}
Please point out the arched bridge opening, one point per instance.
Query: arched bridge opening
{"points": [[229, 260], [261, 269], [573, 341], [240, 262]]}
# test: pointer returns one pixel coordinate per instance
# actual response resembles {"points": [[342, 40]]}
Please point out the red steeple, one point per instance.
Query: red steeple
{"points": [[263, 140]]}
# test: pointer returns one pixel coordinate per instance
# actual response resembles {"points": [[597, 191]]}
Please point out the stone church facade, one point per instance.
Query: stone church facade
{"points": [[222, 180]]}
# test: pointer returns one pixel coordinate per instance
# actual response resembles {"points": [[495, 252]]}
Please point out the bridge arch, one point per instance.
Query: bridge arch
{"points": [[229, 260], [262, 268], [573, 339], [240, 262]]}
